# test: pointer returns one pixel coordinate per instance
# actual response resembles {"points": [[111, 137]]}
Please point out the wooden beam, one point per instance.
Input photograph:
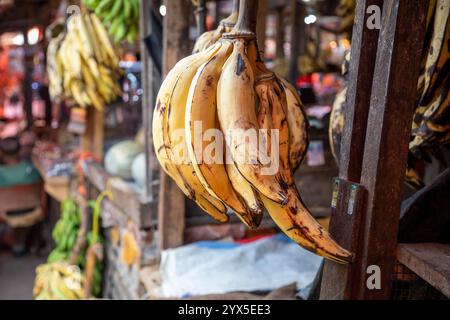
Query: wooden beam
{"points": [[280, 32], [28, 80], [261, 24], [176, 45], [375, 144], [387, 137], [430, 261], [297, 12], [362, 65], [148, 96], [200, 16], [343, 227], [92, 140]]}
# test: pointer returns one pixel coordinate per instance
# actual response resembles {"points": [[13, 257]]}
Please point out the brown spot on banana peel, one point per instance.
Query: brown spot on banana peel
{"points": [[161, 108], [240, 66], [282, 196], [283, 184], [315, 247], [209, 80], [301, 234], [162, 148]]}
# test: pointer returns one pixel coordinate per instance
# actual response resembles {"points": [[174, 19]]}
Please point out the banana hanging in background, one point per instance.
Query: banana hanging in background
{"points": [[120, 17], [430, 128], [58, 281], [83, 65], [223, 104], [55, 33]]}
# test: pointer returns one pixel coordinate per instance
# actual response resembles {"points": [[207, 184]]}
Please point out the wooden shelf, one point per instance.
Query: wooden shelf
{"points": [[430, 261], [125, 198]]}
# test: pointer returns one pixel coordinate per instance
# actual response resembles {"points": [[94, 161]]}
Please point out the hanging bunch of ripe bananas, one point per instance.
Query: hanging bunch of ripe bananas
{"points": [[254, 119], [431, 122], [58, 281], [55, 34], [121, 17], [82, 63], [65, 232]]}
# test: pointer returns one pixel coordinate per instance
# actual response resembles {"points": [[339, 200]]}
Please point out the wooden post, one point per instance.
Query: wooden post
{"points": [[261, 24], [176, 45], [92, 140], [380, 161], [389, 127], [336, 283], [27, 81], [297, 30], [148, 96], [200, 15], [280, 32]]}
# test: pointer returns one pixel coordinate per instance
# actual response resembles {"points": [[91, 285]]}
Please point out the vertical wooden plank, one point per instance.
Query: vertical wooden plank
{"points": [[92, 140], [171, 206], [297, 12], [98, 133], [148, 95], [200, 16], [337, 279], [362, 65], [27, 81], [261, 24], [388, 130], [280, 32]]}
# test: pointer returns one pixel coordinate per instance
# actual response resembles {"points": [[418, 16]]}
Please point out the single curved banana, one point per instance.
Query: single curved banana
{"points": [[296, 116], [162, 148], [298, 125], [236, 103], [205, 40], [294, 218], [245, 190], [336, 126], [200, 121]]}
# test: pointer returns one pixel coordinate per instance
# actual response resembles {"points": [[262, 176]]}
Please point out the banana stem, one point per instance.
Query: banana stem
{"points": [[248, 13]]}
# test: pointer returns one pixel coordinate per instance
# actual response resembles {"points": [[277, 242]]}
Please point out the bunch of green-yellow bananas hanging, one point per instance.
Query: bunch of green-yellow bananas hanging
{"points": [[65, 232], [226, 90], [121, 17], [84, 65], [58, 281]]}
